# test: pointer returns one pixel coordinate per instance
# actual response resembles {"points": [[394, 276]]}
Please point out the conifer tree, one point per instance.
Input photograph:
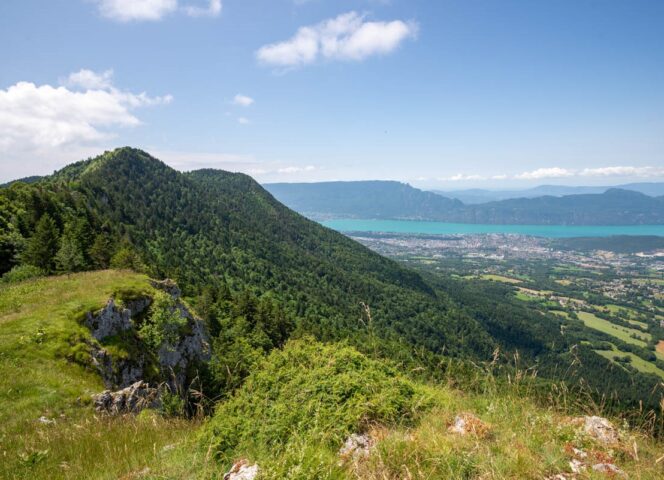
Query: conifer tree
{"points": [[70, 255], [43, 245]]}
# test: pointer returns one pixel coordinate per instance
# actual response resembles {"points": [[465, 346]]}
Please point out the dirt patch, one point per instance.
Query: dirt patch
{"points": [[660, 347]]}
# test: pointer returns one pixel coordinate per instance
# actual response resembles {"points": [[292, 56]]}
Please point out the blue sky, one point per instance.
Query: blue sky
{"points": [[482, 93]]}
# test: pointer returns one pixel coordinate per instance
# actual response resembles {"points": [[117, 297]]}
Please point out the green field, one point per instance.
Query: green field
{"points": [[527, 298], [500, 278], [637, 362], [617, 331], [631, 314], [560, 313]]}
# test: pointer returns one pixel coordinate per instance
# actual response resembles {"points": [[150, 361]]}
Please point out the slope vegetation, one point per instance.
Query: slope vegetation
{"points": [[47, 426]]}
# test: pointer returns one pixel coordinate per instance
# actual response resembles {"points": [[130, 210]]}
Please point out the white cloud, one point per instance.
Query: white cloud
{"points": [[623, 172], [213, 9], [558, 172], [243, 121], [308, 168], [154, 10], [139, 10], [346, 37], [553, 172], [88, 79], [242, 100], [44, 117]]}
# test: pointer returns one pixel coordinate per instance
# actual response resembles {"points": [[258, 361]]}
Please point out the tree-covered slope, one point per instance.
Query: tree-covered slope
{"points": [[221, 230], [392, 200]]}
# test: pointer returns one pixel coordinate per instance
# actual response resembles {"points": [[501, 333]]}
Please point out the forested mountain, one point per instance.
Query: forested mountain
{"points": [[376, 200], [221, 230], [614, 207], [370, 199], [260, 273]]}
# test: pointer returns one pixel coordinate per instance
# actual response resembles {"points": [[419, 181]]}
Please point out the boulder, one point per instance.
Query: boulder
{"points": [[132, 399], [242, 471], [467, 423], [608, 468], [600, 429], [356, 447]]}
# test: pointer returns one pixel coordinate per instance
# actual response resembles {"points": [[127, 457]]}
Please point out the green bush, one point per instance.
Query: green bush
{"points": [[164, 325], [312, 395], [22, 272]]}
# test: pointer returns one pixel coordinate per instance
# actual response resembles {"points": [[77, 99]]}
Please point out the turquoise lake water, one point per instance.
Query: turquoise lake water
{"points": [[551, 231]]}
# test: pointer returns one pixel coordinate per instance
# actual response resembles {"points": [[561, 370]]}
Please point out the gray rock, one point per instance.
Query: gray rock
{"points": [[600, 429], [116, 372], [112, 320], [132, 399], [242, 471], [608, 468], [356, 447], [168, 286]]}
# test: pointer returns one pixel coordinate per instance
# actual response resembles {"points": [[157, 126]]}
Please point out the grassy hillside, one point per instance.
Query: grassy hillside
{"points": [[38, 331], [291, 415], [259, 273]]}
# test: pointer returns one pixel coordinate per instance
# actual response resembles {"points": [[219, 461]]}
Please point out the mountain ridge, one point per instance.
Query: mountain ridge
{"points": [[373, 200]]}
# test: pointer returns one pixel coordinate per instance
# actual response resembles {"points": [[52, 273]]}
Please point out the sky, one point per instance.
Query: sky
{"points": [[446, 93]]}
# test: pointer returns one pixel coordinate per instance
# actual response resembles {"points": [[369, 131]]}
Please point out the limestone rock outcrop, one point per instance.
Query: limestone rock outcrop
{"points": [[132, 399]]}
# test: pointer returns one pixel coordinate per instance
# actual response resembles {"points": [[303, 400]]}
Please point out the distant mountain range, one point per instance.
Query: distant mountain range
{"points": [[394, 200], [476, 195]]}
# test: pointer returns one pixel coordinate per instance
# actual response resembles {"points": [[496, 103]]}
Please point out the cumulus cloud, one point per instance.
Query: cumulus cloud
{"points": [[347, 37], [553, 172], [138, 10], [623, 172], [154, 10], [212, 9], [90, 80], [242, 100], [83, 111], [558, 172]]}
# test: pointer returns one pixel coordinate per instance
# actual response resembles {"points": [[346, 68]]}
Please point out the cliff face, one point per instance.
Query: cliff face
{"points": [[122, 358]]}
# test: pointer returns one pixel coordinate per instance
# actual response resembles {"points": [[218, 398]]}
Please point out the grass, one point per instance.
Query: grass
{"points": [[527, 298], [291, 415], [500, 278], [631, 314], [622, 333], [637, 362], [38, 320], [560, 313], [289, 427]]}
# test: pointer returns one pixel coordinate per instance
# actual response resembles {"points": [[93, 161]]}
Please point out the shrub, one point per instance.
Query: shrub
{"points": [[322, 392], [164, 325], [22, 272]]}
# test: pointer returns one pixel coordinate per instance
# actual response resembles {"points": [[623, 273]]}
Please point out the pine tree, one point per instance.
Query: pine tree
{"points": [[43, 245], [70, 255], [101, 251]]}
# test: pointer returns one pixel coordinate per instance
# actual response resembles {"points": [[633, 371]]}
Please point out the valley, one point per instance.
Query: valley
{"points": [[186, 325], [613, 301]]}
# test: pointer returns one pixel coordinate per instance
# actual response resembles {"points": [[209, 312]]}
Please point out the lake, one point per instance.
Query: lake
{"points": [[441, 228]]}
